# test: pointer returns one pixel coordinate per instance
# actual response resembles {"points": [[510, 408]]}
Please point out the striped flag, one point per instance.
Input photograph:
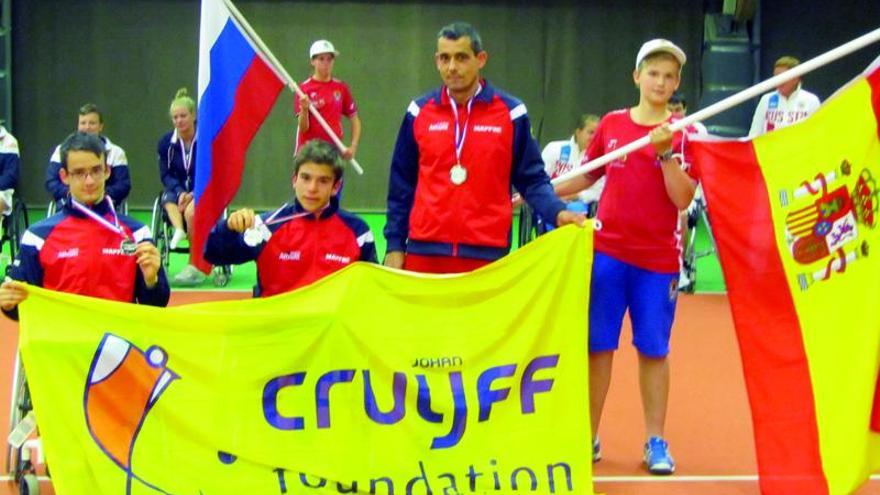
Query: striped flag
{"points": [[237, 89], [794, 213]]}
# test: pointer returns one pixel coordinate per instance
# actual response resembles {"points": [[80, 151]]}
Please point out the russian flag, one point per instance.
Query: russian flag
{"points": [[237, 89]]}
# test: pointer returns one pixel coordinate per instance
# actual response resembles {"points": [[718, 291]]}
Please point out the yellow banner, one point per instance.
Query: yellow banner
{"points": [[369, 381]]}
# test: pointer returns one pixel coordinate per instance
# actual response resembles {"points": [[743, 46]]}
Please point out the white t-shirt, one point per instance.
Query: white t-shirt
{"points": [[775, 111], [563, 156]]}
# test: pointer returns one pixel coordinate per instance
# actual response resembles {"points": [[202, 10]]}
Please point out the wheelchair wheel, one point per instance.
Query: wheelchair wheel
{"points": [[18, 223], [160, 232], [222, 275], [526, 225], [29, 485]]}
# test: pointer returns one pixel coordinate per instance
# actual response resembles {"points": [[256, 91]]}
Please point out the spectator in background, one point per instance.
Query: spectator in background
{"points": [[787, 105], [560, 157], [90, 120], [177, 159], [679, 108], [10, 165]]}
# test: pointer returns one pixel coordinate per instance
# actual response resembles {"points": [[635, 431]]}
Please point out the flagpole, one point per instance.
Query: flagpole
{"points": [[279, 69], [730, 101]]}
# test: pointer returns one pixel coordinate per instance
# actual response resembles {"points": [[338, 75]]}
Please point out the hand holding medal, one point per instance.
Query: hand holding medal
{"points": [[148, 260]]}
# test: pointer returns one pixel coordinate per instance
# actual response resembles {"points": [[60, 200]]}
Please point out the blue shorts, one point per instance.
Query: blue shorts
{"points": [[650, 297]]}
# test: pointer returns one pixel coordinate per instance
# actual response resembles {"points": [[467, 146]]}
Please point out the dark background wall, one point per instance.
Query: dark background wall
{"points": [[806, 29], [562, 58]]}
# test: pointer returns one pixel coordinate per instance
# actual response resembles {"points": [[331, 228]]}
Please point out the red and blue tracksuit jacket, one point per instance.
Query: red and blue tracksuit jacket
{"points": [[427, 213], [301, 250], [10, 162], [70, 252]]}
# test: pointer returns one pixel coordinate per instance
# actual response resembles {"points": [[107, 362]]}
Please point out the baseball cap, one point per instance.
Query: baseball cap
{"points": [[660, 45], [322, 46]]}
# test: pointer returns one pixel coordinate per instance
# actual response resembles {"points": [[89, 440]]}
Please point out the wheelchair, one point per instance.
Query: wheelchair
{"points": [[696, 213], [14, 226], [163, 231], [531, 225], [21, 444]]}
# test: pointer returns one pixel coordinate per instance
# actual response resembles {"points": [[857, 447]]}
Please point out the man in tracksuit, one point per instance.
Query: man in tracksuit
{"points": [[90, 120], [87, 248], [459, 150], [298, 243]]}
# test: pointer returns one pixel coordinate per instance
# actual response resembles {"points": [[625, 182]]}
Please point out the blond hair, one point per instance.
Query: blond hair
{"points": [[787, 61], [182, 99]]}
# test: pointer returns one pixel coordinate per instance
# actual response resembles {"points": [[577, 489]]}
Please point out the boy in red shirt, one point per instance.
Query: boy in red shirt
{"points": [[637, 258], [331, 97]]}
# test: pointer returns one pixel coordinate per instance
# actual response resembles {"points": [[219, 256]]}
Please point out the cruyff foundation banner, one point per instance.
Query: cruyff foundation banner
{"points": [[369, 381]]}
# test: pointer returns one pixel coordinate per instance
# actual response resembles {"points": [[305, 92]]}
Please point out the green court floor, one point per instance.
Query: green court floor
{"points": [[709, 277]]}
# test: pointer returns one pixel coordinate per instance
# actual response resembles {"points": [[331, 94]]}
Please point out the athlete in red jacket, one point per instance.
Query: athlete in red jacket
{"points": [[87, 248], [459, 151]]}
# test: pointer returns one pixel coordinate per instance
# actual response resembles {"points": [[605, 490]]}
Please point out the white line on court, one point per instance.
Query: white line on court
{"points": [[683, 479]]}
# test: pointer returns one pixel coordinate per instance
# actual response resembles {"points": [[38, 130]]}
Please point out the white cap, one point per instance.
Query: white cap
{"points": [[322, 46], [660, 45]]}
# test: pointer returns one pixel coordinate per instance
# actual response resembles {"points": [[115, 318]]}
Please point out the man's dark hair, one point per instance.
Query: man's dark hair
{"points": [[91, 108], [677, 98], [457, 30], [585, 119], [81, 141], [321, 153]]}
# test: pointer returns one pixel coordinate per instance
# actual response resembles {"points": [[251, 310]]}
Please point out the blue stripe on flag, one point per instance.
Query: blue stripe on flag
{"points": [[231, 56]]}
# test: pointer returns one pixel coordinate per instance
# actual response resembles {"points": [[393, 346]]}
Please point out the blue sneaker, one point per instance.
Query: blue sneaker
{"points": [[657, 456], [597, 450]]}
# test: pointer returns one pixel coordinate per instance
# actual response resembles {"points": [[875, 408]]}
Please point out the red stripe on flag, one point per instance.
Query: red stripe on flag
{"points": [[875, 416], [254, 99], [874, 81], [775, 363]]}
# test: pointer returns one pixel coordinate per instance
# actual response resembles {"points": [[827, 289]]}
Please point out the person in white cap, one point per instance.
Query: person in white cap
{"points": [[331, 97], [787, 105], [637, 250]]}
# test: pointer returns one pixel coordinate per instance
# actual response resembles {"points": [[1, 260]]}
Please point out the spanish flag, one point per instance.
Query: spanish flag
{"points": [[794, 213]]}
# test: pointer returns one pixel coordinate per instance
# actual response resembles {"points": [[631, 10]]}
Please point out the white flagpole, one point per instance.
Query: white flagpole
{"points": [[273, 62], [730, 101]]}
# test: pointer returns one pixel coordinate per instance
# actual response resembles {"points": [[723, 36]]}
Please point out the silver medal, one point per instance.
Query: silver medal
{"points": [[458, 174], [128, 247], [253, 236], [265, 232]]}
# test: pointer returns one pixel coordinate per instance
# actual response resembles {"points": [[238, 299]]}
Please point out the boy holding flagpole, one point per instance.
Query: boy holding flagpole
{"points": [[638, 251]]}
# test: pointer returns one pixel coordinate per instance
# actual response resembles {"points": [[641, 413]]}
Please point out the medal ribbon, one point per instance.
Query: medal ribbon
{"points": [[461, 134], [114, 226], [187, 157], [272, 220]]}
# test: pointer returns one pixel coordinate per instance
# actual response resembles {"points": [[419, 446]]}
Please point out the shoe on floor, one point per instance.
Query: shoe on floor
{"points": [[657, 456], [597, 450], [178, 236], [189, 276]]}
